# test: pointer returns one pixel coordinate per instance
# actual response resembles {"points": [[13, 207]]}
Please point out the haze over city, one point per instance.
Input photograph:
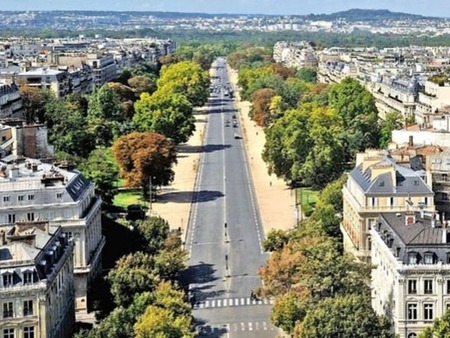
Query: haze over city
{"points": [[439, 8]]}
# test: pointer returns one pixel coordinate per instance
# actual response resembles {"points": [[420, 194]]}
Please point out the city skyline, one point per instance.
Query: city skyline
{"points": [[440, 8]]}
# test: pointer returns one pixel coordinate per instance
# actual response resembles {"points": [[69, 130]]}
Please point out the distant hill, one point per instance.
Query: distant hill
{"points": [[366, 15]]}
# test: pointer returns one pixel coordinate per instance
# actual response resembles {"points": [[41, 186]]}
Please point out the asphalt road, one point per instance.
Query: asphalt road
{"points": [[225, 232]]}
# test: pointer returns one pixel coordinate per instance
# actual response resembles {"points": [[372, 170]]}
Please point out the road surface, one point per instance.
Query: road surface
{"points": [[225, 232]]}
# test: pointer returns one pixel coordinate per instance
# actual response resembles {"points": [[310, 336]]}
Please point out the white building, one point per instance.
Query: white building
{"points": [[32, 190], [36, 281], [411, 280]]}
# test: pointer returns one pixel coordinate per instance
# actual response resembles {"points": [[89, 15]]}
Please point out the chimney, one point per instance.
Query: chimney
{"points": [[34, 166], [13, 172], [411, 141], [2, 237], [422, 213]]}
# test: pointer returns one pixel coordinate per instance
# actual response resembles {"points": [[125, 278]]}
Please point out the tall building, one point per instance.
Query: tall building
{"points": [[411, 280], [379, 184], [31, 190], [36, 281]]}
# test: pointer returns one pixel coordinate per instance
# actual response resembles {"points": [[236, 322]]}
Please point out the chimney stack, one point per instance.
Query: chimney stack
{"points": [[411, 141]]}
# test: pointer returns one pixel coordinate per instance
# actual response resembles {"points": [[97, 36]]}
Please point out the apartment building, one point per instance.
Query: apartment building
{"points": [[433, 102], [31, 190], [379, 184], [10, 102], [103, 67], [411, 280], [36, 281], [55, 80]]}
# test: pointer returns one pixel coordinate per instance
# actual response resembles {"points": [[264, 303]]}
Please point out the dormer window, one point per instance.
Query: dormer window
{"points": [[416, 182], [7, 279], [412, 258], [28, 277], [428, 258]]}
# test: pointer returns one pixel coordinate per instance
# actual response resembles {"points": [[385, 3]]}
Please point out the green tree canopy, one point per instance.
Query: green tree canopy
{"points": [[166, 113], [186, 78], [152, 233], [440, 327], [343, 316], [392, 122], [101, 168]]}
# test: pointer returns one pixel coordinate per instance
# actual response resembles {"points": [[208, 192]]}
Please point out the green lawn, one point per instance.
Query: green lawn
{"points": [[307, 198], [125, 198]]}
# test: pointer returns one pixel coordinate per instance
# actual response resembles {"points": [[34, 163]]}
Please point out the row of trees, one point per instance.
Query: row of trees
{"points": [[319, 292], [144, 288], [143, 101]]}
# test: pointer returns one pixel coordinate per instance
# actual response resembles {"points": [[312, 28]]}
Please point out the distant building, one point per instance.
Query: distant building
{"points": [[55, 80], [103, 67], [379, 184], [411, 280], [10, 102], [36, 281], [31, 190]]}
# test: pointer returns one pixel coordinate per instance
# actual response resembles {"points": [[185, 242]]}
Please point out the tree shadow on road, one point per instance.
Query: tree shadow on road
{"points": [[189, 196], [207, 148]]}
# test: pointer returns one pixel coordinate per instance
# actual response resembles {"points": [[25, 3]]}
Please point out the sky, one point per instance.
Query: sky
{"points": [[440, 8]]}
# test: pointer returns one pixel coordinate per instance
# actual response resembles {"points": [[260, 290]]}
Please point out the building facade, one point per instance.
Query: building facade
{"points": [[379, 184], [411, 280], [31, 190], [36, 285]]}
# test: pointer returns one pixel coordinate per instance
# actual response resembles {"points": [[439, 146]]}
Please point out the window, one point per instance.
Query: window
{"points": [[21, 198], [412, 286], [412, 335], [28, 308], [30, 197], [6, 198], [428, 258], [28, 277], [59, 195], [28, 332], [7, 279], [428, 311], [412, 258], [425, 200], [428, 286], [391, 201], [8, 310], [412, 311], [11, 218], [30, 216], [8, 333]]}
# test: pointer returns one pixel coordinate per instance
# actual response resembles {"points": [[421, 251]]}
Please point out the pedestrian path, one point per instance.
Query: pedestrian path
{"points": [[228, 302]]}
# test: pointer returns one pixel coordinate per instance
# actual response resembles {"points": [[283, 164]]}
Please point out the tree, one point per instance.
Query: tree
{"points": [[307, 75], [260, 111], [145, 156], [152, 233], [275, 240], [440, 327], [142, 84], [101, 168], [33, 101], [67, 128], [288, 310], [166, 113], [293, 90], [359, 114], [105, 116], [345, 316], [134, 273], [392, 122], [162, 323], [186, 78]]}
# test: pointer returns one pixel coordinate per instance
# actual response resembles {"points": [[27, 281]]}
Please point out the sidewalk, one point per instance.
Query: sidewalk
{"points": [[275, 199]]}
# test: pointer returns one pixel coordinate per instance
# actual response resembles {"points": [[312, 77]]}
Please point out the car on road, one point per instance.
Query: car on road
{"points": [[237, 136], [235, 124]]}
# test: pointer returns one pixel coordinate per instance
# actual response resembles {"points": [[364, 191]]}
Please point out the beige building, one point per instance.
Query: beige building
{"points": [[36, 281], [55, 80], [379, 184], [411, 280], [32, 190], [433, 102]]}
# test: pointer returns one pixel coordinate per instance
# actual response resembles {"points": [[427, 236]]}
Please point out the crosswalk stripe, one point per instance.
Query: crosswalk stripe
{"points": [[242, 301], [264, 326], [248, 301], [225, 301], [219, 302], [207, 303], [242, 326], [250, 327]]}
